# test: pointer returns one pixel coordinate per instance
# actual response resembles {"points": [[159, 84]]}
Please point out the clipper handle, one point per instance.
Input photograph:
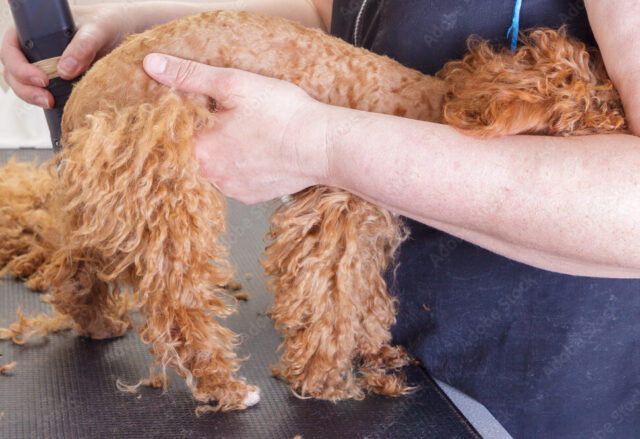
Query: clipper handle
{"points": [[45, 28]]}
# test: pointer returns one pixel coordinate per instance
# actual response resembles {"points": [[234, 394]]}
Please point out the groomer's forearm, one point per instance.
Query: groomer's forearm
{"points": [[570, 205], [151, 14]]}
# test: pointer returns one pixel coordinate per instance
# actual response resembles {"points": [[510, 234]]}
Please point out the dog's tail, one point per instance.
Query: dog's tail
{"points": [[27, 236]]}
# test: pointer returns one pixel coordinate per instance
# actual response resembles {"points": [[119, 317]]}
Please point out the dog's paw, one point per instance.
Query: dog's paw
{"points": [[253, 397], [104, 327], [233, 395]]}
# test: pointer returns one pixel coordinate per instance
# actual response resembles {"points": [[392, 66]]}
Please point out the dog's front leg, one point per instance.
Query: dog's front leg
{"points": [[328, 253]]}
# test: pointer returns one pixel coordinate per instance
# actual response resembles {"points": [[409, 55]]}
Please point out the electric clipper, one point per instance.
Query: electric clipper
{"points": [[45, 28]]}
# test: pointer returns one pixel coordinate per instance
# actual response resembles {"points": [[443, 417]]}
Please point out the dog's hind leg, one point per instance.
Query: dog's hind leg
{"points": [[27, 228], [328, 254], [180, 310], [137, 204], [91, 303], [30, 237], [183, 270]]}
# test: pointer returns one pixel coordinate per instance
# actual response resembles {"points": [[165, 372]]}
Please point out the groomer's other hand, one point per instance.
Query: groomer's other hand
{"points": [[100, 29], [269, 136]]}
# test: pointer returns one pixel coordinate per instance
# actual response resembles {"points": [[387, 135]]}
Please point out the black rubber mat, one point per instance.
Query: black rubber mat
{"points": [[64, 385]]}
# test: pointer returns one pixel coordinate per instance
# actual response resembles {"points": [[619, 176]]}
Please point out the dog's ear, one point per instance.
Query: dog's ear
{"points": [[552, 86]]}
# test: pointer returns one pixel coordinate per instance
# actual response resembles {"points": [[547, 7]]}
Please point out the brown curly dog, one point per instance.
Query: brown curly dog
{"points": [[124, 207]]}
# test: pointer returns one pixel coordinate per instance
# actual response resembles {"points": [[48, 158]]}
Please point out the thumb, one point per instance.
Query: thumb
{"points": [[190, 76], [81, 51]]}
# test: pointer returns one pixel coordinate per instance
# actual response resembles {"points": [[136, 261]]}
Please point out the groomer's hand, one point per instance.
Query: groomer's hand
{"points": [[100, 29], [269, 135]]}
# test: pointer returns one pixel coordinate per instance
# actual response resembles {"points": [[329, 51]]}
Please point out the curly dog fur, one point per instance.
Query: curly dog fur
{"points": [[123, 205]]}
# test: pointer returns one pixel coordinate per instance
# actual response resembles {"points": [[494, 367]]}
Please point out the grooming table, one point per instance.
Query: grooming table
{"points": [[64, 386]]}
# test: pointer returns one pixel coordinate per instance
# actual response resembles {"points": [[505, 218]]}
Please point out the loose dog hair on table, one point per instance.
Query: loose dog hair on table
{"points": [[123, 205]]}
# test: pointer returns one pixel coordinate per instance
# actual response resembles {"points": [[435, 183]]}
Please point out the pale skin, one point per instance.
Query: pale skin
{"points": [[569, 205]]}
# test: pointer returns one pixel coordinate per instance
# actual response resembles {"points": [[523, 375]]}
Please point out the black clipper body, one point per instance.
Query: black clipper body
{"points": [[45, 28]]}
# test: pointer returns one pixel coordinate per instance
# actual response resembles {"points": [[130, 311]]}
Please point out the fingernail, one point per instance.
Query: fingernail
{"points": [[41, 101], [156, 64], [67, 66], [38, 82]]}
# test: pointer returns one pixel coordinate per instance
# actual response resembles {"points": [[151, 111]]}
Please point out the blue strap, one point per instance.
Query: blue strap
{"points": [[515, 26]]}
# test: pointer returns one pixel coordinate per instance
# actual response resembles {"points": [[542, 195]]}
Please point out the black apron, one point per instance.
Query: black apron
{"points": [[550, 355]]}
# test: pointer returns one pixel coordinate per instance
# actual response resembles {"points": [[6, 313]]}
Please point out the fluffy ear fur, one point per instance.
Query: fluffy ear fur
{"points": [[552, 85]]}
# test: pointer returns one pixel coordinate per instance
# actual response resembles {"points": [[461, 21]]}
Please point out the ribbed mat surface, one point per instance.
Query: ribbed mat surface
{"points": [[64, 386]]}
